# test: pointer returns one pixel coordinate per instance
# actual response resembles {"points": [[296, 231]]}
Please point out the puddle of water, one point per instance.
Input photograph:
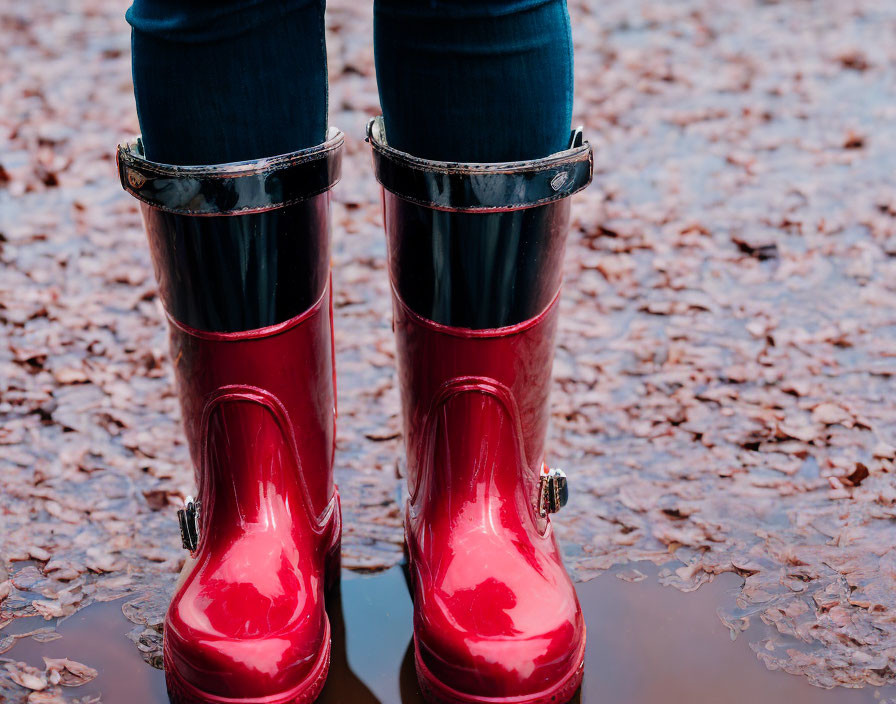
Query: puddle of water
{"points": [[649, 643], [97, 636], [646, 643]]}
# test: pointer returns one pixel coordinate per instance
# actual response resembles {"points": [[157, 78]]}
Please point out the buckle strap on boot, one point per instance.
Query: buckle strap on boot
{"points": [[188, 517], [228, 189], [553, 490], [475, 187]]}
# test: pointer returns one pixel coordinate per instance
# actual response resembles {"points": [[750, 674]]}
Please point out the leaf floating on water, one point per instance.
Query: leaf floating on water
{"points": [[6, 642], [46, 697], [71, 673], [46, 635], [632, 575], [26, 676], [859, 475]]}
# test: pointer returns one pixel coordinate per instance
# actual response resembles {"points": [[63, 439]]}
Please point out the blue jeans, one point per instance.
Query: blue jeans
{"points": [[459, 80]]}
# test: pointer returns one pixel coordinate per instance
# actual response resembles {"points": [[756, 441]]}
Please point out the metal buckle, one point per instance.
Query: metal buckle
{"points": [[553, 491], [188, 517]]}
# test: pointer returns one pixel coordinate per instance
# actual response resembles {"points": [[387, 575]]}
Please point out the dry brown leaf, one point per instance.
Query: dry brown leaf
{"points": [[72, 674]]}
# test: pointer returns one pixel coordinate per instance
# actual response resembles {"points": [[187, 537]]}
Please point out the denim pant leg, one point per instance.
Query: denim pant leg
{"points": [[475, 80], [228, 80], [489, 80]]}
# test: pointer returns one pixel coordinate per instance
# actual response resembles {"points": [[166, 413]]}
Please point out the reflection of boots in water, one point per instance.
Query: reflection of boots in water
{"points": [[242, 254], [343, 685], [407, 678], [475, 256]]}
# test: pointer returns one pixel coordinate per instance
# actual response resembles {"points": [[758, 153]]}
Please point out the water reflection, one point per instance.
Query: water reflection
{"points": [[97, 636], [646, 643], [379, 647], [343, 685]]}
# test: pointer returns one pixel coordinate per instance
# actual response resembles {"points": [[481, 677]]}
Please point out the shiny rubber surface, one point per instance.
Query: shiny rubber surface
{"points": [[232, 188], [496, 617], [475, 270], [477, 245], [475, 259], [480, 187], [306, 692], [227, 273], [237, 246], [249, 619], [241, 254], [435, 691]]}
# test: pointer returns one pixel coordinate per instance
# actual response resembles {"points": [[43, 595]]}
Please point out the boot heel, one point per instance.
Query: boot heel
{"points": [[333, 573]]}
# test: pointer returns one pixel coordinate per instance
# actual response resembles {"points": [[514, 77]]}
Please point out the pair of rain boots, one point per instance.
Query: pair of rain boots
{"points": [[241, 253]]}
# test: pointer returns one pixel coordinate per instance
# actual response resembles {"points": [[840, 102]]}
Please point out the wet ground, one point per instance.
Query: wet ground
{"points": [[724, 374], [646, 643]]}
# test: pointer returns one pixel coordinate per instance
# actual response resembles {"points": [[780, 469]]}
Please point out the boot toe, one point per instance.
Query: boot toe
{"points": [[243, 647], [488, 645]]}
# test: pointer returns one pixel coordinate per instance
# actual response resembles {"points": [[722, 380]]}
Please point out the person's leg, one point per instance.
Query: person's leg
{"points": [[475, 80], [228, 81]]}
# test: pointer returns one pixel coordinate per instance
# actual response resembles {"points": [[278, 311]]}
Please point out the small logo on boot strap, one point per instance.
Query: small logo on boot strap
{"points": [[136, 179], [558, 180]]}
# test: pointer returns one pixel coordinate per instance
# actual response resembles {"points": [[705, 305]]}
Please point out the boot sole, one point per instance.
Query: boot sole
{"points": [[437, 692], [182, 692]]}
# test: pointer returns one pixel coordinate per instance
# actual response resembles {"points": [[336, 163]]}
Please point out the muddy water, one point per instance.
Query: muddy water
{"points": [[646, 643]]}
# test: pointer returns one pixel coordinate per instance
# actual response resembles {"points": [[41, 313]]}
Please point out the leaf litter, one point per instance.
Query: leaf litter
{"points": [[724, 373]]}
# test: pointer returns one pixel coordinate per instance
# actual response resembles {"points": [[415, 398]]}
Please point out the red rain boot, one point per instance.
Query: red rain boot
{"points": [[241, 252], [475, 257]]}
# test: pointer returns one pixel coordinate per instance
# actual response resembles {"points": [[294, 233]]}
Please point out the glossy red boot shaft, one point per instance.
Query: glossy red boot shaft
{"points": [[496, 617], [241, 252], [249, 620]]}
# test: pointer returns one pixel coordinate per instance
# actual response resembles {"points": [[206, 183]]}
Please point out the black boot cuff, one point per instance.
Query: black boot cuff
{"points": [[480, 187]]}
